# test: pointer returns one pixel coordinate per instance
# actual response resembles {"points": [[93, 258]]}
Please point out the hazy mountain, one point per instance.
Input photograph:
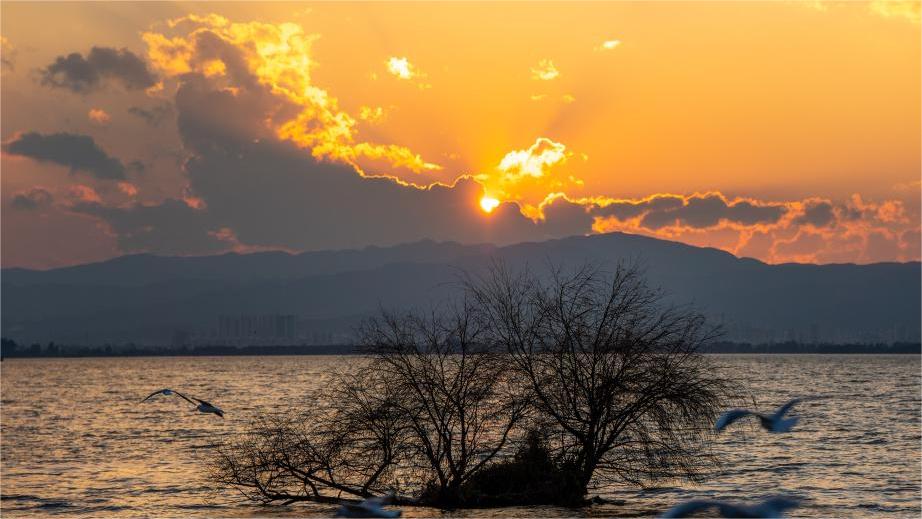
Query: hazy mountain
{"points": [[147, 299]]}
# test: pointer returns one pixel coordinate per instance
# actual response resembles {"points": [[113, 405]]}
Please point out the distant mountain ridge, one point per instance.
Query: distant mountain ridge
{"points": [[147, 299], [140, 269]]}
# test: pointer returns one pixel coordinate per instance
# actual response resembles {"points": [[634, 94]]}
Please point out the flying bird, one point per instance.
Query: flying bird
{"points": [[371, 507], [775, 423], [200, 405], [770, 508]]}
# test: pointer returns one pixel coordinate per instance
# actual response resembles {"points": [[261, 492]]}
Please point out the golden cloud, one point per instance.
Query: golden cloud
{"points": [[372, 115], [533, 161], [608, 45], [99, 116], [530, 176], [545, 71], [401, 68], [278, 57], [910, 10], [809, 231]]}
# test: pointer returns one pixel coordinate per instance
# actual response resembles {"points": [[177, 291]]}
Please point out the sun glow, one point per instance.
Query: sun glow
{"points": [[488, 204]]}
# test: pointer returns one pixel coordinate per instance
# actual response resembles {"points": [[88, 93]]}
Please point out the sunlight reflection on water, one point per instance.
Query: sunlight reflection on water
{"points": [[75, 440]]}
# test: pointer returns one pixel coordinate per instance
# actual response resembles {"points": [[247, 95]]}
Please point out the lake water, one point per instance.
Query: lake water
{"points": [[75, 440]]}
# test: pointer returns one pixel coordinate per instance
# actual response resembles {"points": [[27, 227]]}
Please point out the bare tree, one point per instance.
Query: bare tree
{"points": [[598, 365], [345, 450], [431, 407], [610, 366], [454, 392]]}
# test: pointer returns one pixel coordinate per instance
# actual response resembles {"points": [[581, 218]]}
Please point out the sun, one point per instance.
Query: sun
{"points": [[488, 204]]}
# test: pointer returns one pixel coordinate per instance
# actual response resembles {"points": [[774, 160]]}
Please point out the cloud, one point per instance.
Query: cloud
{"points": [[545, 71], [82, 75], [810, 230], [32, 199], [818, 213], [267, 68], [372, 115], [909, 10], [99, 116], [401, 68], [608, 45], [78, 152], [128, 189], [697, 211], [533, 161], [80, 193], [154, 115], [266, 172], [170, 227], [7, 54], [274, 162], [802, 248], [531, 175]]}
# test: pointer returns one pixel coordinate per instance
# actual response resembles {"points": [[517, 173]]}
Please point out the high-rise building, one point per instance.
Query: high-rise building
{"points": [[252, 328]]}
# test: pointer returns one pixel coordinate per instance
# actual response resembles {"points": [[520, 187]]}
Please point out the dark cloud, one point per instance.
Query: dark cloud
{"points": [[171, 227], [84, 74], [266, 192], [136, 166], [564, 218], [154, 115], [32, 199], [747, 213], [698, 211], [77, 152], [627, 209], [818, 214]]}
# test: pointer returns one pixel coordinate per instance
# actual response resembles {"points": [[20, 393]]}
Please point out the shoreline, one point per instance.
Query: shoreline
{"points": [[347, 350]]}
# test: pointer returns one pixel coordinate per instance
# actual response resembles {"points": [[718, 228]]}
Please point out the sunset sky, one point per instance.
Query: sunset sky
{"points": [[784, 131]]}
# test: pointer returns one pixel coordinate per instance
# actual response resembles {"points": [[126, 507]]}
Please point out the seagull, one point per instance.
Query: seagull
{"points": [[775, 423], [200, 405], [371, 507], [770, 508]]}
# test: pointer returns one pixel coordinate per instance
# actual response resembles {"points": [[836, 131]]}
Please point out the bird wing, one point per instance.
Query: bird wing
{"points": [[155, 393], [202, 402], [775, 507], [731, 416], [350, 510], [690, 507], [787, 407], [377, 501], [731, 510], [184, 397]]}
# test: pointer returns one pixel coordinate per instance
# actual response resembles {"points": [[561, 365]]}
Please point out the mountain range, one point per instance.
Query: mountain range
{"points": [[152, 300]]}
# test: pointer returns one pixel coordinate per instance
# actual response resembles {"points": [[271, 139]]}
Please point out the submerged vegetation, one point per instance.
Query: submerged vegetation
{"points": [[527, 389]]}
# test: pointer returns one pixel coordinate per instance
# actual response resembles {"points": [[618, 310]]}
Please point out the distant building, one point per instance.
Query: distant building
{"points": [[256, 329]]}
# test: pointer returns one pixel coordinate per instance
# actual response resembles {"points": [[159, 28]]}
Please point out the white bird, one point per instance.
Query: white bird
{"points": [[770, 508], [775, 423], [200, 405], [371, 507]]}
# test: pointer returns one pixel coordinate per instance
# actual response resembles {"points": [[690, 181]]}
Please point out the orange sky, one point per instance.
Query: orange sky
{"points": [[779, 104]]}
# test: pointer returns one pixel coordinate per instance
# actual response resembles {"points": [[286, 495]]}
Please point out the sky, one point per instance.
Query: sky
{"points": [[785, 131]]}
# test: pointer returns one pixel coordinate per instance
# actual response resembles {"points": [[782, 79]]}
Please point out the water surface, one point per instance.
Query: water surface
{"points": [[75, 440]]}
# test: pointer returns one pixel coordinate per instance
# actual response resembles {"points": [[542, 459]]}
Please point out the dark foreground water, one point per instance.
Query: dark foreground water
{"points": [[75, 440]]}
